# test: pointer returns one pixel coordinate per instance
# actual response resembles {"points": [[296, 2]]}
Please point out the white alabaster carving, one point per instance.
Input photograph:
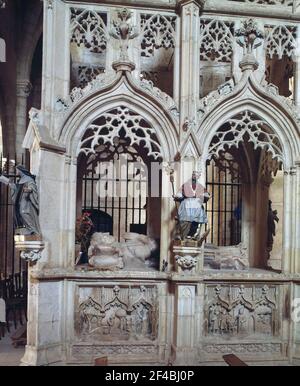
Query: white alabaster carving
{"points": [[157, 31], [256, 128], [84, 73], [88, 30], [280, 40], [186, 262], [273, 90], [117, 313], [31, 255], [124, 32], [30, 250], [216, 40], [78, 93], [137, 130], [208, 102], [104, 252], [166, 100], [241, 310]]}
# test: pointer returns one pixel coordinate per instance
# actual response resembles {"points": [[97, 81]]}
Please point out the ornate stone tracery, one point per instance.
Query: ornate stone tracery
{"points": [[280, 40], [246, 126], [88, 29], [85, 73], [113, 122], [157, 31], [216, 40]]}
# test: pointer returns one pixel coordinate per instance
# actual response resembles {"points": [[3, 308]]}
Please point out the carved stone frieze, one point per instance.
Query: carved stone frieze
{"points": [[113, 350], [241, 310], [241, 348], [113, 313]]}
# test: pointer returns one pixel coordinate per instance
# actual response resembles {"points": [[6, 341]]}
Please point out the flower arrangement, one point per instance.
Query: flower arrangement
{"points": [[84, 226]]}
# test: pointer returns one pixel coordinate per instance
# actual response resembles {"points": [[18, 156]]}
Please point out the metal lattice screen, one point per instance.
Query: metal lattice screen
{"points": [[224, 209]]}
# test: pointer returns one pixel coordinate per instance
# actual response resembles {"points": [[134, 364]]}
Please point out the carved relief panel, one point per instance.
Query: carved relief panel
{"points": [[233, 310], [114, 314]]}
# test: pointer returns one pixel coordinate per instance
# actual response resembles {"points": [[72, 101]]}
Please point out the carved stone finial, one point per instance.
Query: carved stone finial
{"points": [[123, 32], [249, 37]]}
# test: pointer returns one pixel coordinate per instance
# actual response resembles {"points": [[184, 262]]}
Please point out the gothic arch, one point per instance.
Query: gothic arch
{"points": [[124, 92], [252, 97]]}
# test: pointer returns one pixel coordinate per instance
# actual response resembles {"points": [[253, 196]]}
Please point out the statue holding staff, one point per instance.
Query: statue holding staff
{"points": [[25, 199], [191, 211]]}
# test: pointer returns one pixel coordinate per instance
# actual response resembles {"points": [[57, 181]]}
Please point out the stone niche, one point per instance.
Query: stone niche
{"points": [[118, 321], [244, 319]]}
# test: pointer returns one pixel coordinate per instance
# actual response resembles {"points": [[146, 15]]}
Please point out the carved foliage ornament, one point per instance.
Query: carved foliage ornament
{"points": [[280, 40], [115, 313], [88, 29], [216, 40], [246, 126], [123, 31], [249, 36], [118, 122], [157, 31]]}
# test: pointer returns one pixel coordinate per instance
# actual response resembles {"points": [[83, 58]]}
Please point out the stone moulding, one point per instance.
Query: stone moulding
{"points": [[105, 83], [243, 348], [30, 248]]}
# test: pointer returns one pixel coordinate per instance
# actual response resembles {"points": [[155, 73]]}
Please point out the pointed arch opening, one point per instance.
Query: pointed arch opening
{"points": [[244, 176], [119, 158]]}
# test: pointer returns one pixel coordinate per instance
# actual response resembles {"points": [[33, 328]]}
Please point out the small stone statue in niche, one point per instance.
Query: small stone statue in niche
{"points": [[191, 212], [272, 220], [25, 198]]}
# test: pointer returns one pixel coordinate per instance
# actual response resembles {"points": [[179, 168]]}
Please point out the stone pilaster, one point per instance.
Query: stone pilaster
{"points": [[184, 348], [190, 58]]}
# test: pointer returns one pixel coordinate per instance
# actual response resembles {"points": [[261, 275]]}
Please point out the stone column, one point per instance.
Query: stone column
{"points": [[190, 58], [291, 220], [24, 88]]}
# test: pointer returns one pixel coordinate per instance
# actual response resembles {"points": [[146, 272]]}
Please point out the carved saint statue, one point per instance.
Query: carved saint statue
{"points": [[191, 212], [25, 198], [272, 219]]}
